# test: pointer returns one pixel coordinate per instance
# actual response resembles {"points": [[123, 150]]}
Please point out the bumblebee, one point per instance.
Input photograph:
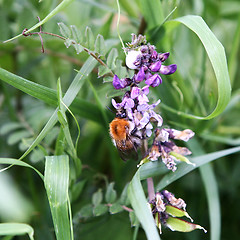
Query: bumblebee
{"points": [[124, 137]]}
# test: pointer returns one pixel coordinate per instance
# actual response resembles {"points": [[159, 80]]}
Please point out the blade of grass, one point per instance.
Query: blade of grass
{"points": [[14, 229], [213, 200], [56, 180], [68, 98], [49, 96], [12, 161], [211, 189], [183, 168], [139, 203], [152, 12], [217, 57]]}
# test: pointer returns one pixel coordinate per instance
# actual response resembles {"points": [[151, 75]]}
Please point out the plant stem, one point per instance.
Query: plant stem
{"points": [[151, 191]]}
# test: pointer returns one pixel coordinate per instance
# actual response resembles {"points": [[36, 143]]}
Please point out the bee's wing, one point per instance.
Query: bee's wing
{"points": [[128, 154], [127, 150]]}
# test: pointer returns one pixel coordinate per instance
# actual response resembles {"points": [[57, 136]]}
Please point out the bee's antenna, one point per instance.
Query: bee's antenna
{"points": [[109, 109]]}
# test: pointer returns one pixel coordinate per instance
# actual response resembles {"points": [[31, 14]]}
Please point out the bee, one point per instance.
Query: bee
{"points": [[124, 137]]}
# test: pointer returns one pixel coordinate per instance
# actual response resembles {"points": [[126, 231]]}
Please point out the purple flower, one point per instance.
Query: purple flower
{"points": [[167, 210], [167, 70], [154, 67], [120, 83], [165, 148], [140, 94], [140, 76], [154, 81], [163, 56]]}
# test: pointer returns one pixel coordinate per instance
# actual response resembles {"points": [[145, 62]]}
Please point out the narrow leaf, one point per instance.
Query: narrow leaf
{"points": [[89, 38], [176, 224], [141, 209], [217, 57], [76, 35], [100, 210], [112, 58], [13, 229], [152, 12], [100, 47], [183, 169], [56, 180], [115, 208], [97, 197], [111, 194], [12, 161], [64, 29]]}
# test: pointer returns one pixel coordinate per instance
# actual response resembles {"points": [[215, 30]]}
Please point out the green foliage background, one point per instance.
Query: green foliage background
{"points": [[210, 191]]}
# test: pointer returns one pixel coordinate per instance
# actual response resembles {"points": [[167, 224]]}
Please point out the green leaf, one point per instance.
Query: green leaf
{"points": [[152, 12], [64, 29], [124, 196], [213, 200], [183, 169], [8, 127], [56, 180], [97, 197], [68, 42], [111, 59], [100, 45], [102, 70], [177, 212], [141, 209], [100, 210], [120, 70], [12, 161], [77, 190], [176, 224], [115, 208], [217, 57], [89, 38], [86, 211], [14, 229], [16, 137], [79, 48], [49, 96], [111, 194], [76, 35], [133, 219]]}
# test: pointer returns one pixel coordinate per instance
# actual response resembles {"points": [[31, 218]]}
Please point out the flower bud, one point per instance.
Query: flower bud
{"points": [[154, 81], [131, 58]]}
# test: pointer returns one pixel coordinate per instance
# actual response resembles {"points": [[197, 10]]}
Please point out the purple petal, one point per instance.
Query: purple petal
{"points": [[167, 70], [144, 121], [148, 75], [119, 83], [140, 75], [154, 54], [155, 66], [163, 56], [115, 105], [143, 107], [145, 90], [157, 117], [135, 92], [154, 81], [142, 99], [156, 103], [129, 103], [148, 129]]}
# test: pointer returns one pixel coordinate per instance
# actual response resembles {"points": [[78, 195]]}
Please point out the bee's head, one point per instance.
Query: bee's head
{"points": [[121, 114]]}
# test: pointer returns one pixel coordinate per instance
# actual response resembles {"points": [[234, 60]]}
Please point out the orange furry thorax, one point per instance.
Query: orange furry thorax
{"points": [[119, 129]]}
